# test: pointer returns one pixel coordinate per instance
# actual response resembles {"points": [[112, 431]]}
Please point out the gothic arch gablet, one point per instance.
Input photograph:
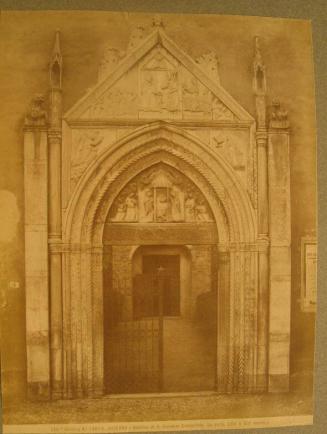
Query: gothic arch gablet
{"points": [[241, 360]]}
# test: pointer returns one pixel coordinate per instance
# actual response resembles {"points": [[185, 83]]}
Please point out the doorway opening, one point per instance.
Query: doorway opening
{"points": [[160, 327]]}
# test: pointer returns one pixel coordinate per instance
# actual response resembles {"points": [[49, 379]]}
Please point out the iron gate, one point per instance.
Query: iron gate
{"points": [[135, 335]]}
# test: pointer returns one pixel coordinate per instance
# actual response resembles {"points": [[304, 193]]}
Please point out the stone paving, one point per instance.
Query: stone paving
{"points": [[210, 406]]}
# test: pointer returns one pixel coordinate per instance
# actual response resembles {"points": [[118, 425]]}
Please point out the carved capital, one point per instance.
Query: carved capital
{"points": [[262, 137], [54, 135], [55, 245], [263, 243]]}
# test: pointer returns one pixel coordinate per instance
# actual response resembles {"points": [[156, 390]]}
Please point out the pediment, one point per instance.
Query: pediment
{"points": [[157, 80]]}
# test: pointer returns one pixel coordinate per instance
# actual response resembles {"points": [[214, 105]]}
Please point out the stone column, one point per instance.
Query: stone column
{"points": [[55, 205], [36, 252], [55, 258], [260, 89], [263, 283], [263, 213], [280, 252], [263, 315], [223, 313]]}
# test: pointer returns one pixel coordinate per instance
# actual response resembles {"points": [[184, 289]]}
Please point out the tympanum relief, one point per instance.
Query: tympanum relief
{"points": [[160, 194]]}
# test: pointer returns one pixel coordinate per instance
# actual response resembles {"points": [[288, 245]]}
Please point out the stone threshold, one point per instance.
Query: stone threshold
{"points": [[161, 395]]}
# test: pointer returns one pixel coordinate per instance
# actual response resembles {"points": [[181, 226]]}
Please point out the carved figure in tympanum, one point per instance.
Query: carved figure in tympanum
{"points": [[160, 195]]}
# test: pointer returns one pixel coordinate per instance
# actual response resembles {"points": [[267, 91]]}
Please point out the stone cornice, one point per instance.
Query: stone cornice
{"points": [[104, 123]]}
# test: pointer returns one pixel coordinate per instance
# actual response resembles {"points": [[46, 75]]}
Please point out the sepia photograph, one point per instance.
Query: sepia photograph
{"points": [[158, 234]]}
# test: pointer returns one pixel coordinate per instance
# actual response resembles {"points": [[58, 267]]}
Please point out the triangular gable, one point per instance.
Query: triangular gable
{"points": [[144, 85]]}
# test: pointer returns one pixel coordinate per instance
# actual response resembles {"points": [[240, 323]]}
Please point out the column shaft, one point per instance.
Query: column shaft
{"points": [[262, 321], [263, 209], [55, 265]]}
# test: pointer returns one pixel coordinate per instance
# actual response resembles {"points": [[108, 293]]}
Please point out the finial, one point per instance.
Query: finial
{"points": [[257, 52], [157, 21], [56, 53]]}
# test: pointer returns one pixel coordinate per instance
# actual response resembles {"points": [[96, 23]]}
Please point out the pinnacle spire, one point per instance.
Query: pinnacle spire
{"points": [[257, 52], [259, 70], [56, 63], [56, 52], [259, 84]]}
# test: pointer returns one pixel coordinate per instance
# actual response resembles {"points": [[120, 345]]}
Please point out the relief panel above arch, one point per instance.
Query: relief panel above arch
{"points": [[158, 86], [82, 146]]}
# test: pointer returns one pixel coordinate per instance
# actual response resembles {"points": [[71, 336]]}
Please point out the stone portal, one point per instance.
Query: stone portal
{"points": [[156, 161]]}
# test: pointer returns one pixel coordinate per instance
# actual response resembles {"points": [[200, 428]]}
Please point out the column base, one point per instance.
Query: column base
{"points": [[279, 383], [38, 391]]}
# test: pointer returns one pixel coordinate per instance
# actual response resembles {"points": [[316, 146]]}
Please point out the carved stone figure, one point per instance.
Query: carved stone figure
{"points": [[137, 36], [131, 208], [157, 21], [208, 62], [85, 151], [219, 140], [120, 213], [202, 214], [111, 58], [159, 84], [37, 115], [196, 98], [279, 116], [176, 209], [148, 205], [162, 205], [160, 194], [189, 208], [116, 102]]}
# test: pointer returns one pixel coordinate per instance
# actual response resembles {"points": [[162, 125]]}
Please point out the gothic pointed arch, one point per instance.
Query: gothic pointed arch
{"points": [[154, 143]]}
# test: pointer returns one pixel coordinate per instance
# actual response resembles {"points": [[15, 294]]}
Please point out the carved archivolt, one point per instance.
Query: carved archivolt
{"points": [[160, 194]]}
